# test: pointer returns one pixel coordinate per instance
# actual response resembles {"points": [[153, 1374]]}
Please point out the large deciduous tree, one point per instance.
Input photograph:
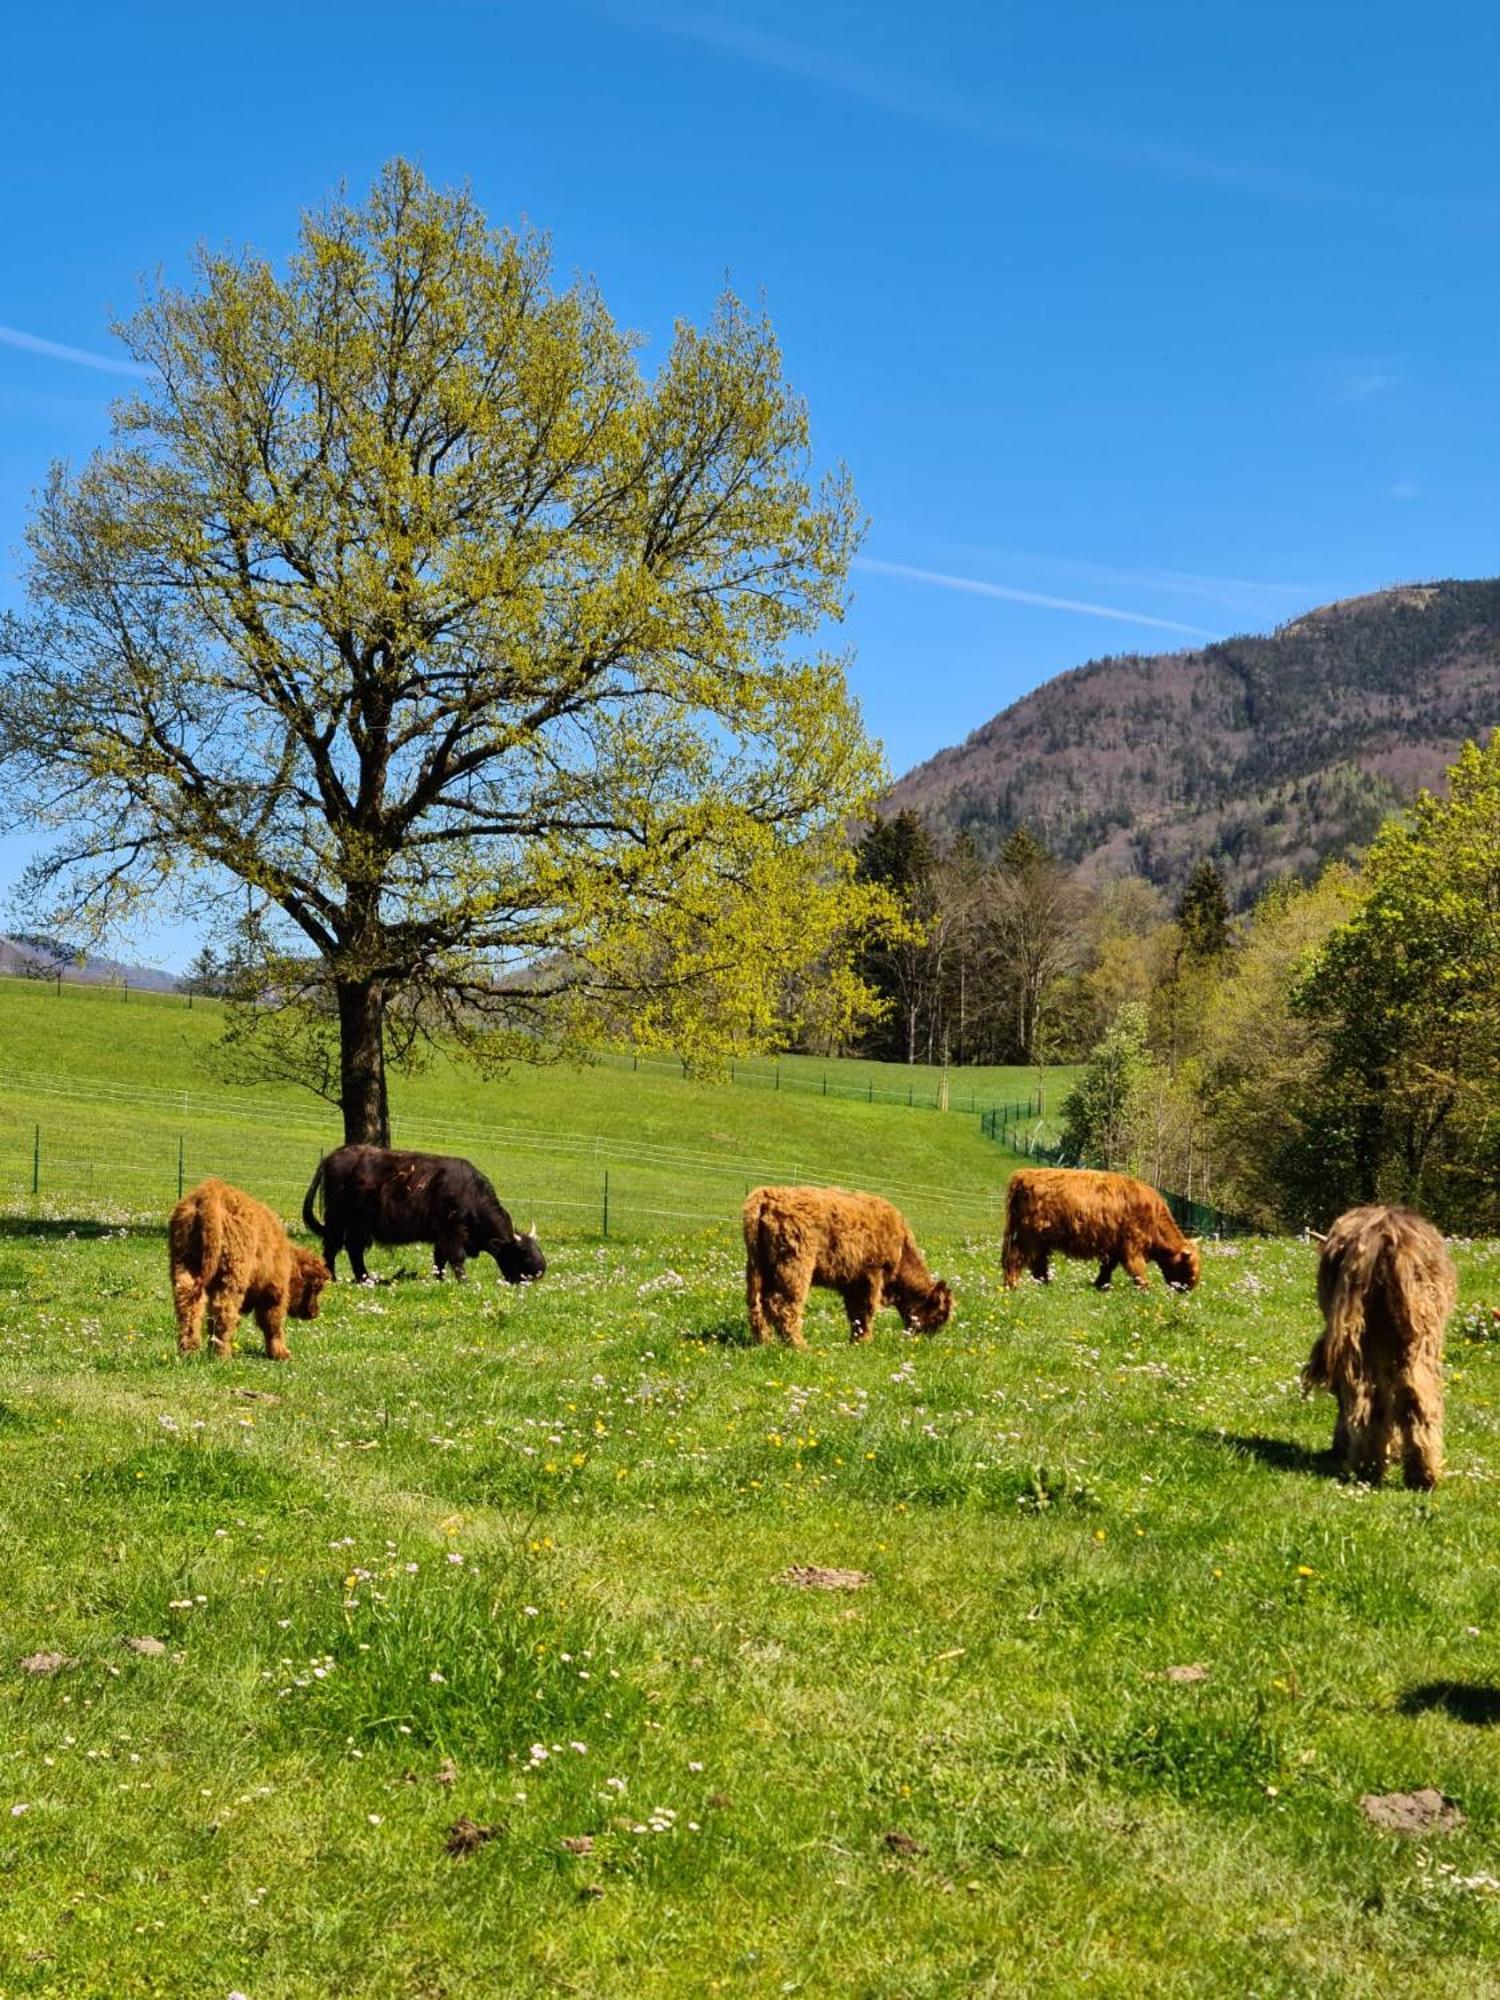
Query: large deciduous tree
{"points": [[405, 600]]}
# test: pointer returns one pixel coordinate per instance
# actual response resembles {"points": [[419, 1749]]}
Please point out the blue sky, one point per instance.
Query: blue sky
{"points": [[1133, 324]]}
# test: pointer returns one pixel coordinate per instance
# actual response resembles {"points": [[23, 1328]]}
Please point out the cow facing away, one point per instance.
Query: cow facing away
{"points": [[1386, 1285], [230, 1255], [854, 1244], [371, 1195], [1079, 1213]]}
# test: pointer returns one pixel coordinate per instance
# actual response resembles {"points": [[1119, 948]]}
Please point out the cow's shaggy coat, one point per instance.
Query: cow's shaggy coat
{"points": [[1386, 1285], [373, 1195], [1079, 1213], [230, 1255], [854, 1244]]}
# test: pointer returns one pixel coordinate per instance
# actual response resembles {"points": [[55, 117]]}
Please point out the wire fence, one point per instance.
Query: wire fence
{"points": [[1194, 1217], [580, 1184]]}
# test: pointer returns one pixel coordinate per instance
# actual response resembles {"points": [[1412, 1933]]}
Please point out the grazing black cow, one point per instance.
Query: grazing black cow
{"points": [[374, 1196]]}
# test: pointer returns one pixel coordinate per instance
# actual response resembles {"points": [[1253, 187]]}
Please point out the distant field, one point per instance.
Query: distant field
{"points": [[119, 1086]]}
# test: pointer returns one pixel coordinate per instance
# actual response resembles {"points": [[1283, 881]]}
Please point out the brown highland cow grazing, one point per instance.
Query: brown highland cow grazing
{"points": [[230, 1253], [1083, 1214], [1386, 1285], [855, 1244]]}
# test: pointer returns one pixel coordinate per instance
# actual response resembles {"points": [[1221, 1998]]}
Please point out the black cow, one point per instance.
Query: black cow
{"points": [[374, 1196]]}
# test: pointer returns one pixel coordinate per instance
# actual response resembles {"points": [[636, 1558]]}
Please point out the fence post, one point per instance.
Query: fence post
{"points": [[825, 1083], [179, 1166], [778, 1076], [872, 1090], [606, 1201], [36, 1161]]}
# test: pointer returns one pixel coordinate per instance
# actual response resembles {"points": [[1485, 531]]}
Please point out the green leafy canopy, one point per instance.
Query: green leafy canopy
{"points": [[407, 601]]}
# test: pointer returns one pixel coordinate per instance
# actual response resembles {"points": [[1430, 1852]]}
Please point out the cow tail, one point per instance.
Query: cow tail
{"points": [[309, 1213], [1336, 1358], [210, 1220]]}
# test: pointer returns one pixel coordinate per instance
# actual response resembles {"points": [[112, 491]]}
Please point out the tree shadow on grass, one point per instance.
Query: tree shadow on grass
{"points": [[1279, 1453], [1476, 1702], [51, 1228]]}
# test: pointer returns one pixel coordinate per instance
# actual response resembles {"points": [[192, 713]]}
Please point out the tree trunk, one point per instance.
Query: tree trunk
{"points": [[362, 1063]]}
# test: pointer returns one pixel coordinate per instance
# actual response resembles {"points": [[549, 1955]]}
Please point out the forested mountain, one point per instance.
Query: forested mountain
{"points": [[1271, 755]]}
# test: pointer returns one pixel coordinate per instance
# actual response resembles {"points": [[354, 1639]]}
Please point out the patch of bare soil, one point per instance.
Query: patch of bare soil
{"points": [[810, 1576], [1427, 1811], [466, 1836], [44, 1663]]}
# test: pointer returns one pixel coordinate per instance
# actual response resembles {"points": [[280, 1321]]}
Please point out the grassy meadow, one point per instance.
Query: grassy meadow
{"points": [[521, 1560]]}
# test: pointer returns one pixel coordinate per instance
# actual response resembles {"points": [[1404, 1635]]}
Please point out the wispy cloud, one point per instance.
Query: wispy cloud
{"points": [[908, 99], [981, 587], [80, 357], [1363, 380], [1404, 489], [1251, 597]]}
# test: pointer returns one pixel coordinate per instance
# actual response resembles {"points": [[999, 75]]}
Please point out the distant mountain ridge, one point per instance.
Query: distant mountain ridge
{"points": [[1271, 754]]}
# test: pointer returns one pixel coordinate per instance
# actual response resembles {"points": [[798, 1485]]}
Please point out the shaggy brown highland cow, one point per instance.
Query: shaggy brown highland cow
{"points": [[230, 1254], [854, 1244], [1386, 1285], [1083, 1214]]}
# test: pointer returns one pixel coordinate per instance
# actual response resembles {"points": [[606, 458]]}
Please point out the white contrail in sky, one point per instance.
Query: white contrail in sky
{"points": [[979, 587], [54, 350]]}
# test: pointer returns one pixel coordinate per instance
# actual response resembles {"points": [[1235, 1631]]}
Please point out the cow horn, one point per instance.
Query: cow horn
{"points": [[1317, 1236], [532, 1230]]}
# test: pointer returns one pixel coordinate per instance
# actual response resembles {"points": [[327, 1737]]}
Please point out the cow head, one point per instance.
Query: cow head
{"points": [[519, 1257], [925, 1312], [1183, 1267], [304, 1288]]}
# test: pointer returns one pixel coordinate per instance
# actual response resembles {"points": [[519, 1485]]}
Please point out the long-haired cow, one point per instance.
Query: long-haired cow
{"points": [[1079, 1213], [854, 1244], [231, 1255], [372, 1195], [1386, 1285]]}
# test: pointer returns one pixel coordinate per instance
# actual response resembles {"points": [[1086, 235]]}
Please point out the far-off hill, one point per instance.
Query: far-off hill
{"points": [[1272, 754]]}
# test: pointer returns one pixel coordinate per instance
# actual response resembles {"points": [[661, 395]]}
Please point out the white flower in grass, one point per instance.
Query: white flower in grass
{"points": [[438, 1677]]}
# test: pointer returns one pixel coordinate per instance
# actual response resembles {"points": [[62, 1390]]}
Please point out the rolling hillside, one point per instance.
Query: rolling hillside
{"points": [[1271, 754]]}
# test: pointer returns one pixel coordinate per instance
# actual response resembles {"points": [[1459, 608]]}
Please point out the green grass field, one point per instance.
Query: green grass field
{"points": [[519, 1559], [100, 1096]]}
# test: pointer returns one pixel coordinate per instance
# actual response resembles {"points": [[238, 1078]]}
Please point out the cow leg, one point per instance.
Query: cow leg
{"points": [[755, 1309], [450, 1250], [271, 1319], [784, 1303], [357, 1250], [1136, 1268], [1419, 1407], [333, 1242], [862, 1302], [223, 1318], [1011, 1262], [1041, 1268], [1366, 1427], [189, 1301], [1106, 1273]]}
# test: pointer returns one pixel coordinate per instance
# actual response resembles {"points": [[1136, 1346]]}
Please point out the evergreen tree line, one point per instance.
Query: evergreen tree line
{"points": [[1018, 960]]}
